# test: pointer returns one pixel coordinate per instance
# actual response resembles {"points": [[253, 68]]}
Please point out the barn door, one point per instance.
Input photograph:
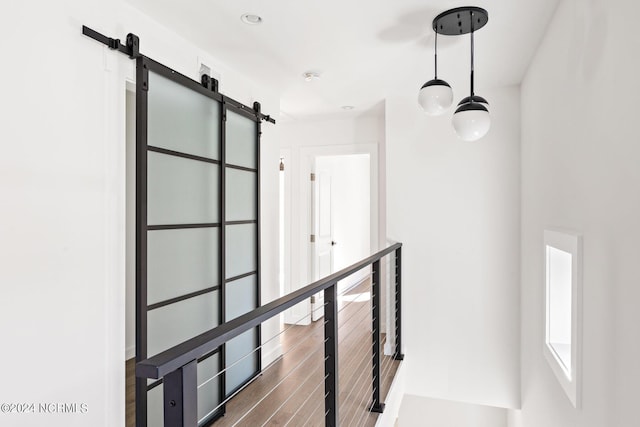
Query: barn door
{"points": [[197, 228]]}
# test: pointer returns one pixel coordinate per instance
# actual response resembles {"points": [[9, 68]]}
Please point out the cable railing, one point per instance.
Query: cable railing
{"points": [[347, 357]]}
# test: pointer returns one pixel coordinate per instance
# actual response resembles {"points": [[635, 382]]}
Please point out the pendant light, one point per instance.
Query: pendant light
{"points": [[435, 96], [471, 120]]}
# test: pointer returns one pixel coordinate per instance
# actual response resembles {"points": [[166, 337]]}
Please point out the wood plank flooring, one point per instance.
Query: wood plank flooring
{"points": [[290, 391]]}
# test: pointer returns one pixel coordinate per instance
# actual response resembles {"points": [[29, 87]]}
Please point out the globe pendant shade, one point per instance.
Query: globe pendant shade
{"points": [[471, 121], [475, 98], [435, 97]]}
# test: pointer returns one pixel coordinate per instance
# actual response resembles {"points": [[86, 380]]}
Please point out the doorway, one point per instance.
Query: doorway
{"points": [[298, 265], [340, 219]]}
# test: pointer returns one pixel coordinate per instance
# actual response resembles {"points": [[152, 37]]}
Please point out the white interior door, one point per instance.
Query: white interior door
{"points": [[322, 242]]}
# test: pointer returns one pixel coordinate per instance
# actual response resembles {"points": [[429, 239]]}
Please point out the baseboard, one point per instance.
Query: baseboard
{"points": [[389, 348], [130, 352], [268, 357]]}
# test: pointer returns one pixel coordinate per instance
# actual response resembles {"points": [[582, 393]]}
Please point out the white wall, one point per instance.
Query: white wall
{"points": [[416, 411], [455, 207], [580, 171], [62, 180]]}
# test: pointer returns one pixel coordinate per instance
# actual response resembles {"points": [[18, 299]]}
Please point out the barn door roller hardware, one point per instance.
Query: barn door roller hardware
{"points": [[131, 47]]}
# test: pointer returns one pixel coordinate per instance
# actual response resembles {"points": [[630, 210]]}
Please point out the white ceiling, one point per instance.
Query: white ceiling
{"points": [[364, 50]]}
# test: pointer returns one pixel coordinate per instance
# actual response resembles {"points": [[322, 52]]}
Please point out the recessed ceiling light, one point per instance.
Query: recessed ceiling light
{"points": [[251, 19], [310, 76], [348, 107]]}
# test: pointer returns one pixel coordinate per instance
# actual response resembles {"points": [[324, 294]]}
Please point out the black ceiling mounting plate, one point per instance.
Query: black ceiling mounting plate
{"points": [[455, 22]]}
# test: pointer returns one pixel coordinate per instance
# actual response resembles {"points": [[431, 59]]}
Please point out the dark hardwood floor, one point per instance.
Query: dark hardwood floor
{"points": [[290, 391]]}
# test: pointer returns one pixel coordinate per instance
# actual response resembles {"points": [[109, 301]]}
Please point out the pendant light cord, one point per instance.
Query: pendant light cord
{"points": [[472, 48], [435, 56]]}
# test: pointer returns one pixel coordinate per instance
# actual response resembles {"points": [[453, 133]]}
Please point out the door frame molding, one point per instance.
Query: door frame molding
{"points": [[306, 160]]}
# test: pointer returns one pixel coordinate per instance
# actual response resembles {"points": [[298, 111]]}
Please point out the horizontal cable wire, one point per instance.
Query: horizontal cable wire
{"points": [[355, 371], [365, 412], [357, 285], [385, 369], [352, 316], [359, 351], [347, 305], [367, 333], [246, 385], [350, 302], [386, 366], [355, 412], [357, 366], [369, 405], [356, 329], [362, 371], [373, 379], [261, 346], [354, 313], [321, 403], [279, 382], [306, 400], [293, 393], [366, 385], [234, 394]]}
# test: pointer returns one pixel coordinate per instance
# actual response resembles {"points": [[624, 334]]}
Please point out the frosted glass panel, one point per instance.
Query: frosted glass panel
{"points": [[181, 261], [181, 191], [208, 388], [155, 407], [173, 324], [241, 137], [240, 195], [241, 249], [236, 349], [240, 297], [181, 119]]}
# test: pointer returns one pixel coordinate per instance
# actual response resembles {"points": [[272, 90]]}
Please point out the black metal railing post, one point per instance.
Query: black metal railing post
{"points": [[181, 396], [331, 355], [376, 405], [398, 306]]}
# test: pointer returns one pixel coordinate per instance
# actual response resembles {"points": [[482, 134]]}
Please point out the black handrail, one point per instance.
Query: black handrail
{"points": [[177, 364], [175, 357]]}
